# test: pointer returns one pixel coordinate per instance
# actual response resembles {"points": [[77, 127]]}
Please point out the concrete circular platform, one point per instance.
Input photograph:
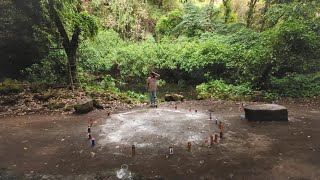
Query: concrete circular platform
{"points": [[157, 127], [266, 112]]}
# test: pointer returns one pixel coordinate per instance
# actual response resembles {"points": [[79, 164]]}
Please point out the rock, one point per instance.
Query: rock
{"points": [[2, 109], [97, 104], [173, 97], [68, 108], [9, 101], [42, 97], [84, 106], [55, 105], [108, 106], [266, 112]]}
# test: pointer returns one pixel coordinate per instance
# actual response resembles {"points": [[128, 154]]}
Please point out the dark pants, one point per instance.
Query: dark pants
{"points": [[153, 97]]}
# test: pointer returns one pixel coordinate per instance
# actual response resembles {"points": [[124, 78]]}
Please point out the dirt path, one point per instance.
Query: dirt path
{"points": [[55, 146]]}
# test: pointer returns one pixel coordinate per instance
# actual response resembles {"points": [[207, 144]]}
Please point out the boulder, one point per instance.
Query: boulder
{"points": [[84, 106], [173, 97], [42, 97], [266, 112], [97, 104]]}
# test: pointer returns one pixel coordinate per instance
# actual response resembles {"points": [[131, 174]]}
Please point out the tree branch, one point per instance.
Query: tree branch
{"points": [[54, 13], [75, 37]]}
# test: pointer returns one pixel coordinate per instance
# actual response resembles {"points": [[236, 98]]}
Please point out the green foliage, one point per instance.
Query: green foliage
{"points": [[227, 10], [73, 16], [87, 24], [196, 20], [10, 86], [167, 23], [137, 96], [298, 85], [296, 48], [297, 10], [161, 83], [191, 45], [94, 54], [218, 89], [130, 18], [48, 71], [107, 83], [20, 45]]}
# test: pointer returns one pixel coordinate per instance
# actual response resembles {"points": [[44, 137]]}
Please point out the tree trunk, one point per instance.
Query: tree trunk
{"points": [[265, 10], [71, 53], [72, 66], [227, 9], [252, 6], [70, 46]]}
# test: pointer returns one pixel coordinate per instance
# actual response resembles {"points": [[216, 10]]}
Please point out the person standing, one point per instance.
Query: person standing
{"points": [[152, 87]]}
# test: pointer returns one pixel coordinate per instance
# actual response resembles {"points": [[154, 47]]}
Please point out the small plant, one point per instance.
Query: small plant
{"points": [[161, 83], [136, 96], [218, 89], [10, 86]]}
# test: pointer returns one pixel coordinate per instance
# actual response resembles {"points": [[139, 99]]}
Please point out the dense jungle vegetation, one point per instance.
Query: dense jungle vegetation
{"points": [[225, 49]]}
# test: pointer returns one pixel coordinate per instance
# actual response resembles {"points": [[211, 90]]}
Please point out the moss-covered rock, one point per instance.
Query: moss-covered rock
{"points": [[84, 106], [173, 97]]}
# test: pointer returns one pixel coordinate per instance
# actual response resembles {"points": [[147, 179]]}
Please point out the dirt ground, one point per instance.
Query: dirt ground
{"points": [[55, 146]]}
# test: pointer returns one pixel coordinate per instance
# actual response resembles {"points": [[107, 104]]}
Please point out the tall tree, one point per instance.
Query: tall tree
{"points": [[265, 9], [252, 5], [227, 10], [72, 23]]}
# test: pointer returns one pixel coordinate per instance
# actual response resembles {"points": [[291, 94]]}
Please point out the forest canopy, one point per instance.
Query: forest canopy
{"points": [[227, 48]]}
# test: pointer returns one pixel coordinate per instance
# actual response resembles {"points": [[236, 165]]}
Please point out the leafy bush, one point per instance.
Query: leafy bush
{"points": [[167, 23], [95, 54], [137, 96], [108, 83], [218, 89], [196, 20], [51, 70], [161, 82], [298, 85]]}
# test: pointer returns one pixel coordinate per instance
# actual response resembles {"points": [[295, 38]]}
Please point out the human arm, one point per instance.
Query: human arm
{"points": [[156, 74]]}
